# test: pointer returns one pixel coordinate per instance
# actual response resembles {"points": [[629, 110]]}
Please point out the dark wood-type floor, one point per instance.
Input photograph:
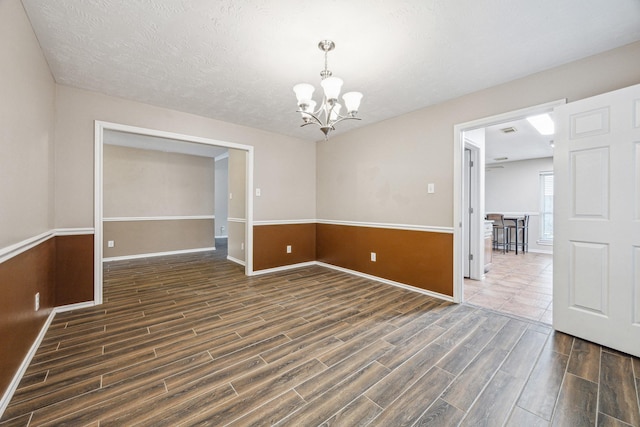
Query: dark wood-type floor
{"points": [[190, 340]]}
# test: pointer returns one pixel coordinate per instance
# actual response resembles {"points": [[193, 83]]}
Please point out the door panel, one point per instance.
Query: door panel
{"points": [[589, 277], [597, 219], [590, 183]]}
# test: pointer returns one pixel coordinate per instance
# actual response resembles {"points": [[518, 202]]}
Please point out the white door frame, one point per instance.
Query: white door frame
{"points": [[99, 128], [476, 196], [458, 189]]}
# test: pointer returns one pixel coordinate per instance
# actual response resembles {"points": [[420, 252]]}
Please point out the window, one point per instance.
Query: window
{"points": [[546, 207]]}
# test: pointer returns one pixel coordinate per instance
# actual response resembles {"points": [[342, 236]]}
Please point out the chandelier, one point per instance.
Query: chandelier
{"points": [[328, 114]]}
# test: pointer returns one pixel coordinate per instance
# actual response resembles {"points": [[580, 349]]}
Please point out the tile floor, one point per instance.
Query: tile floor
{"points": [[515, 284]]}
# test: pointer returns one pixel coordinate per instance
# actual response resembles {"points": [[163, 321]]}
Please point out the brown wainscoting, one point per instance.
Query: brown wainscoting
{"points": [[21, 277], [418, 258], [146, 237], [74, 269], [270, 245]]}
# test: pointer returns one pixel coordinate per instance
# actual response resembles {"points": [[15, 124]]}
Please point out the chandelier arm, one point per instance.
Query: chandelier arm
{"points": [[343, 118], [313, 116]]}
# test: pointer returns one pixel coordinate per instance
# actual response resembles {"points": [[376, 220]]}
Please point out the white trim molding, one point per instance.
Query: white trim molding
{"points": [[284, 221], [222, 156], [387, 281], [354, 273], [238, 261], [411, 227], [16, 249], [156, 218], [284, 268], [74, 231], [240, 220], [156, 254], [13, 385]]}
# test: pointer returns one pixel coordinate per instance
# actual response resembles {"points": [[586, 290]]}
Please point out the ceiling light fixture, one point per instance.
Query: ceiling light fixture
{"points": [[328, 114], [543, 124]]}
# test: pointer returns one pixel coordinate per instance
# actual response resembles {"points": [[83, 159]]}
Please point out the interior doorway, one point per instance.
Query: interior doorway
{"points": [[465, 190], [247, 163]]}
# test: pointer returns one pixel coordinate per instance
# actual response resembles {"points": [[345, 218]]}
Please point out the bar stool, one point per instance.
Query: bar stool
{"points": [[520, 232], [499, 230]]}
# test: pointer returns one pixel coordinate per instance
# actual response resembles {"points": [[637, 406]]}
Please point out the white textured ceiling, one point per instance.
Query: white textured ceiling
{"points": [[237, 60]]}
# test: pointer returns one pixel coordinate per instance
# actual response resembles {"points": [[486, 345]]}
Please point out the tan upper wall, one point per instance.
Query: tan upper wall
{"points": [[284, 166], [143, 183], [26, 130], [380, 173]]}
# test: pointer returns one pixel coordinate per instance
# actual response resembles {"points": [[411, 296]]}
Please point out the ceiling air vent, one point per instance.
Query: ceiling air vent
{"points": [[510, 129]]}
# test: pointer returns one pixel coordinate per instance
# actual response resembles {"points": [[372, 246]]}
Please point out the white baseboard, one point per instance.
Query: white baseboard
{"points": [[284, 268], [154, 254], [355, 273], [236, 260], [540, 251], [6, 398], [388, 282], [71, 307]]}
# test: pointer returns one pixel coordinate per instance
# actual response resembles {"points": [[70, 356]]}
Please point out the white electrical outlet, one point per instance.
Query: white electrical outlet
{"points": [[242, 246], [258, 192], [111, 244], [373, 257], [37, 301], [230, 196], [431, 188], [288, 249]]}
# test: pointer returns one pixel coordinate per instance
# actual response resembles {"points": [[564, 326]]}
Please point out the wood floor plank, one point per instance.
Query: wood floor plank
{"points": [[177, 406], [360, 412], [405, 375], [440, 414], [618, 395], [520, 418], [466, 387], [91, 407], [493, 406], [406, 409], [585, 360], [605, 420], [272, 411], [524, 355], [257, 396], [319, 385], [163, 369], [577, 403], [320, 410], [188, 351], [541, 391]]}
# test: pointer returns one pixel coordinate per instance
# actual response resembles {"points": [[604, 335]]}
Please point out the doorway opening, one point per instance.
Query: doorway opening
{"points": [[247, 162], [473, 249]]}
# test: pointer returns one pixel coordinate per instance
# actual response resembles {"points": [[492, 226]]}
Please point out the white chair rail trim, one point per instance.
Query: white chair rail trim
{"points": [[16, 249], [412, 227], [240, 220], [156, 218]]}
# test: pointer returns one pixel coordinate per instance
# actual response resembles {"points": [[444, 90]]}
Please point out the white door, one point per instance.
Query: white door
{"points": [[596, 254]]}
